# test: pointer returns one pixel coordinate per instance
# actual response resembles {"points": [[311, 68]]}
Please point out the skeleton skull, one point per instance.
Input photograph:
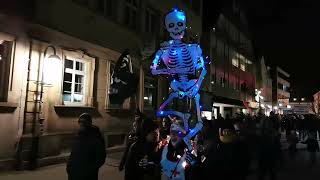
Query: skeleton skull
{"points": [[176, 24]]}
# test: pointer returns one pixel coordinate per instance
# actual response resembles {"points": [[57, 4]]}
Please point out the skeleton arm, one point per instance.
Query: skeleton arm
{"points": [[155, 64], [199, 65]]}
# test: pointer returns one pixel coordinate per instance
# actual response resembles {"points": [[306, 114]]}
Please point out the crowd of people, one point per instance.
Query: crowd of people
{"points": [[228, 148]]}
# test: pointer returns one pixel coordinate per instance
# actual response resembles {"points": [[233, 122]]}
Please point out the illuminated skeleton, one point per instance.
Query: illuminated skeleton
{"points": [[182, 61]]}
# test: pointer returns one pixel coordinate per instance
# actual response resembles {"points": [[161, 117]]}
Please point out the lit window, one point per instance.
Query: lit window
{"points": [[235, 62], [243, 67], [149, 95], [74, 81]]}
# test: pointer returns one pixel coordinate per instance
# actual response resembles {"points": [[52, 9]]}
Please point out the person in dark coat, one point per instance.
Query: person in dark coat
{"points": [[143, 159], [88, 152], [223, 159], [312, 147], [269, 150], [132, 137]]}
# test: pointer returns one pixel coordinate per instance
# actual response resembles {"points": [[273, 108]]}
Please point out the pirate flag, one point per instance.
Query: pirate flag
{"points": [[123, 81]]}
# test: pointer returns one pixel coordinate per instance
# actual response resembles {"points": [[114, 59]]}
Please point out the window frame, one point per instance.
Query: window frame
{"points": [[153, 91], [151, 18], [132, 22], [88, 73], [6, 85]]}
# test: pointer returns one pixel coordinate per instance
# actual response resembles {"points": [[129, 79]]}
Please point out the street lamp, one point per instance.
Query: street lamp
{"points": [[48, 67]]}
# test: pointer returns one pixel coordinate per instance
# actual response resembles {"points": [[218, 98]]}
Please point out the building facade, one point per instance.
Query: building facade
{"points": [[316, 103], [280, 89], [264, 85], [41, 98], [231, 81]]}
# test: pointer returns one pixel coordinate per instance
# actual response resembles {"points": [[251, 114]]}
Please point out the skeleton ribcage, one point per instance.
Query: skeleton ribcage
{"points": [[180, 58]]}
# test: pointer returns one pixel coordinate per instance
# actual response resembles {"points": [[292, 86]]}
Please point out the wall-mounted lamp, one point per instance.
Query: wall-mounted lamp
{"points": [[49, 66]]}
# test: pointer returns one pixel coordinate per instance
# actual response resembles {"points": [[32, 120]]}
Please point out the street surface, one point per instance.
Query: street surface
{"points": [[298, 169]]}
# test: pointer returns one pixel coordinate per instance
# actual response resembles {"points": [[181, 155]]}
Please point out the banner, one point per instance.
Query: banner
{"points": [[123, 82]]}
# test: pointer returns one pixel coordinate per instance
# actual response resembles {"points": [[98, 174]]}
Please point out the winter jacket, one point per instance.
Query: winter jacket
{"points": [[138, 151], [87, 156], [312, 145]]}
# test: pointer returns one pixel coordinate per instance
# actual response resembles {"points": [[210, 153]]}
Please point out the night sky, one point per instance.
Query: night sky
{"points": [[287, 33]]}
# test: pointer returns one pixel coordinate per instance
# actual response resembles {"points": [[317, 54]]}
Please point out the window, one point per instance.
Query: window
{"points": [[186, 2], [280, 86], [242, 66], [235, 62], [150, 21], [74, 80], [81, 2], [97, 5], [131, 18], [213, 79], [109, 11], [284, 77], [100, 6], [223, 81], [149, 97], [5, 62], [196, 6]]}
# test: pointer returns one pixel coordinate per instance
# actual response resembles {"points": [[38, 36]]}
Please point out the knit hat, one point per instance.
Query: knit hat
{"points": [[85, 118], [148, 126]]}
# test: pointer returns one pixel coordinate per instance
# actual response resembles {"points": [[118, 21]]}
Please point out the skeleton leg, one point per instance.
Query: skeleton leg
{"points": [[162, 113], [198, 126], [184, 116]]}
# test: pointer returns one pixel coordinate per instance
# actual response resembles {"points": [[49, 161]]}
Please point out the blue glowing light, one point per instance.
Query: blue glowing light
{"points": [[161, 112], [181, 16]]}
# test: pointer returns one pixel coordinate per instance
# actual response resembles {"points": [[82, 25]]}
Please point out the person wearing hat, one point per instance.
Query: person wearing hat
{"points": [[88, 152], [144, 155], [222, 155]]}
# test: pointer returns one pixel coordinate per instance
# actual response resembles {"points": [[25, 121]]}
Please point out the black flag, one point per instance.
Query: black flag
{"points": [[123, 81]]}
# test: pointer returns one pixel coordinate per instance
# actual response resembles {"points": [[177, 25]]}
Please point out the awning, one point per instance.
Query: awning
{"points": [[225, 100]]}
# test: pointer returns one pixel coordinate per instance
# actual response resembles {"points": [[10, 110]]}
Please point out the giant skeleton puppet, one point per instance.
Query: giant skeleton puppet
{"points": [[181, 62]]}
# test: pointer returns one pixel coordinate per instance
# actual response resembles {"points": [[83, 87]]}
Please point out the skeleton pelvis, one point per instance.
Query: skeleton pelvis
{"points": [[183, 86]]}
